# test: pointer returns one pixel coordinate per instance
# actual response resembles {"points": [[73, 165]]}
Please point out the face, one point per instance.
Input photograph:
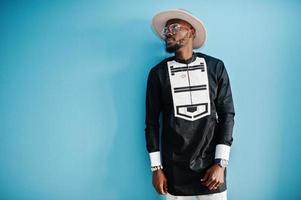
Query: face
{"points": [[177, 34]]}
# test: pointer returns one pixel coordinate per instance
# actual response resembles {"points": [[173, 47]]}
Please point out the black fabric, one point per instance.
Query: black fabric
{"points": [[188, 147]]}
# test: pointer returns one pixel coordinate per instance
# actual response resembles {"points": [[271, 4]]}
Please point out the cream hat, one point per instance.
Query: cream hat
{"points": [[160, 19]]}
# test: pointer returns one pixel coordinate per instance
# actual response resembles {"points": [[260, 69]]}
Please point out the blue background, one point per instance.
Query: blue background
{"points": [[72, 89]]}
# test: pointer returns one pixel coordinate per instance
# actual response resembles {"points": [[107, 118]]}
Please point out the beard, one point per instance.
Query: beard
{"points": [[173, 48]]}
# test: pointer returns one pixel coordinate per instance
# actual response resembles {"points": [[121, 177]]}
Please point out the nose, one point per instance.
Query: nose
{"points": [[168, 34]]}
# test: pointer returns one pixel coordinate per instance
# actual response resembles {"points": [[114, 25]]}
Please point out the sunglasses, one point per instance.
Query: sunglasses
{"points": [[172, 29]]}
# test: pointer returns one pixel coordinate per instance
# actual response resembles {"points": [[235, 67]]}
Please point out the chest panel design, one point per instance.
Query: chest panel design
{"points": [[190, 89]]}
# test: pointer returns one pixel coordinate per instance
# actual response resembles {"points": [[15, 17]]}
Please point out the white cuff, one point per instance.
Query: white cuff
{"points": [[222, 151], [155, 158]]}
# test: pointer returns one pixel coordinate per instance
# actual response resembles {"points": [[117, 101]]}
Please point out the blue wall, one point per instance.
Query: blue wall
{"points": [[72, 87]]}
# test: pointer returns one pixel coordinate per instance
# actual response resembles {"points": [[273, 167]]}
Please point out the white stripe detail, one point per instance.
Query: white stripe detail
{"points": [[155, 158], [222, 151]]}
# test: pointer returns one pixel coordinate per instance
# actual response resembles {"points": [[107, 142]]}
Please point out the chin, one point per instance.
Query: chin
{"points": [[172, 48]]}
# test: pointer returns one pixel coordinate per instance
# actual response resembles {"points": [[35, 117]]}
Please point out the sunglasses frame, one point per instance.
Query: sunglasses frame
{"points": [[175, 29]]}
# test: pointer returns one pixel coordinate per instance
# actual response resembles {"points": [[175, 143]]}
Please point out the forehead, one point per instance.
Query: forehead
{"points": [[179, 21]]}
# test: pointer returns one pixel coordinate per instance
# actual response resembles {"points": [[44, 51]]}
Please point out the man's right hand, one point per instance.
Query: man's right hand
{"points": [[160, 182]]}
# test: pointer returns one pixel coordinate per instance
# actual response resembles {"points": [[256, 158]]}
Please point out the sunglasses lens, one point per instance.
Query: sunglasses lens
{"points": [[164, 32], [172, 28]]}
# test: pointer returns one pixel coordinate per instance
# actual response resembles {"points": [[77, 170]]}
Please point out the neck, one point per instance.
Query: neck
{"points": [[184, 53]]}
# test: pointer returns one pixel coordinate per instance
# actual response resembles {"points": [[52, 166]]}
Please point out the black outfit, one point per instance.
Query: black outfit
{"points": [[195, 98]]}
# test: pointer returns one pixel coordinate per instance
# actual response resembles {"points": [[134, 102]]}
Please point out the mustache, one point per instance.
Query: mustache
{"points": [[168, 38]]}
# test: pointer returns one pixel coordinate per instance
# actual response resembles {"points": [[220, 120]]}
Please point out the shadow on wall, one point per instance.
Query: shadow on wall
{"points": [[127, 173]]}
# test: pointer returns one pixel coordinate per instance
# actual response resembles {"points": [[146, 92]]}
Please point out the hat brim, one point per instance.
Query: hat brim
{"points": [[160, 19]]}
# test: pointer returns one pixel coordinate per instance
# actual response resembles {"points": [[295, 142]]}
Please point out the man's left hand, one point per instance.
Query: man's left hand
{"points": [[214, 177]]}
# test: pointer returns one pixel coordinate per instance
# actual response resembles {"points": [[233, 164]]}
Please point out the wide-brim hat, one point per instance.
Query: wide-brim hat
{"points": [[160, 19]]}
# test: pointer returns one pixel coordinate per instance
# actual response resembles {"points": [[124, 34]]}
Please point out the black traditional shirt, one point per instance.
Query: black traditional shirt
{"points": [[195, 99]]}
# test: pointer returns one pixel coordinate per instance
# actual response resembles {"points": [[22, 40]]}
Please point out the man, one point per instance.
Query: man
{"points": [[193, 92]]}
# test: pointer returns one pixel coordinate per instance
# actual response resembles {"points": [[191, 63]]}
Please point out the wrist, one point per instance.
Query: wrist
{"points": [[159, 171], [156, 168], [219, 166], [221, 162]]}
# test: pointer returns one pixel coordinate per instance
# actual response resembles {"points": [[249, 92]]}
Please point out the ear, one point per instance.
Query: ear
{"points": [[192, 33]]}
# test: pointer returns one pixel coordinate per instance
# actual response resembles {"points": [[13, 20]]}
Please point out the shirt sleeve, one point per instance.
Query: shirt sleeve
{"points": [[225, 112], [153, 106]]}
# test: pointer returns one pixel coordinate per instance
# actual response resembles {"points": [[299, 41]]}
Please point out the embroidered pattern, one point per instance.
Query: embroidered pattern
{"points": [[190, 89]]}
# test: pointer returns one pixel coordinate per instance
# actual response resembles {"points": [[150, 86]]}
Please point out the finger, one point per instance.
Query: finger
{"points": [[161, 189], [213, 185], [210, 180], [216, 185]]}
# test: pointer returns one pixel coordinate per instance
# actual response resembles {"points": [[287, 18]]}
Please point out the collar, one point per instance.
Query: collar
{"points": [[187, 61]]}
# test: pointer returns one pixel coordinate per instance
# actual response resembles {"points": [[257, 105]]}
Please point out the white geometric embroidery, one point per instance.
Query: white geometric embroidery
{"points": [[190, 89]]}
